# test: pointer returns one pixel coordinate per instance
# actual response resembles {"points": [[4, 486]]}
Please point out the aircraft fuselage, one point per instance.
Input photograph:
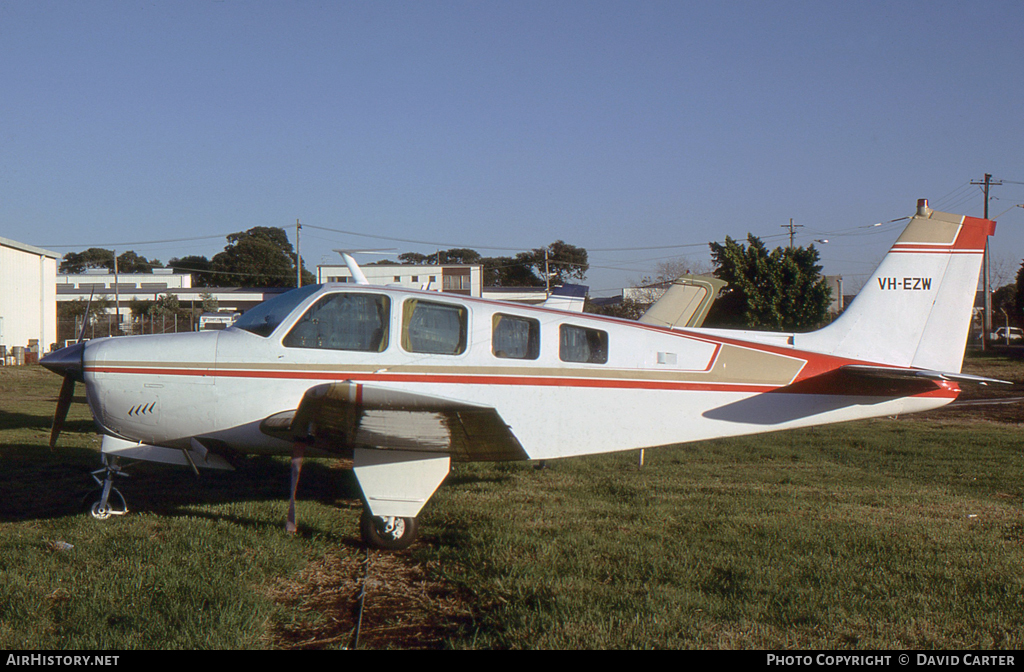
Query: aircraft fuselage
{"points": [[643, 386]]}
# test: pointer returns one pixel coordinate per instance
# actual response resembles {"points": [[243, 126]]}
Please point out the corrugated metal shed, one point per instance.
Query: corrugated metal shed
{"points": [[28, 295]]}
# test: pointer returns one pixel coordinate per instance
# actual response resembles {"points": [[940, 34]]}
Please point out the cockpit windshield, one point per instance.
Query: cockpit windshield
{"points": [[264, 318]]}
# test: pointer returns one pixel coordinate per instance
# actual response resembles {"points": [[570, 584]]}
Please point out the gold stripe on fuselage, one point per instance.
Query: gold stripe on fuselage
{"points": [[732, 365]]}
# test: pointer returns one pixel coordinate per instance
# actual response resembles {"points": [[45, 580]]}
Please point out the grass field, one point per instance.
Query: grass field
{"points": [[884, 534]]}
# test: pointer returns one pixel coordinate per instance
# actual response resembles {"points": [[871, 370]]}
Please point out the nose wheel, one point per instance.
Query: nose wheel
{"points": [[389, 533], [106, 501]]}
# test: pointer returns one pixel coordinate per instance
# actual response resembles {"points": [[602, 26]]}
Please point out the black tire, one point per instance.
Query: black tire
{"points": [[373, 528]]}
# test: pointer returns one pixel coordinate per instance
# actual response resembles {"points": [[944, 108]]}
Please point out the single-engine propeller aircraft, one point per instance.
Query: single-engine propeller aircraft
{"points": [[405, 381]]}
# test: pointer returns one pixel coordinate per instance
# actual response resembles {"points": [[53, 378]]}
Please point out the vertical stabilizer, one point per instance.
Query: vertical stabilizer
{"points": [[916, 309]]}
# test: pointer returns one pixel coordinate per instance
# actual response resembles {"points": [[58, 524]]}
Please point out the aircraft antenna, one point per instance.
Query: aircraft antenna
{"points": [[353, 267]]}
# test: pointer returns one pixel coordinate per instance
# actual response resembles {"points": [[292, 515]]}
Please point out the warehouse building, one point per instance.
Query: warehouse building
{"points": [[120, 292], [28, 300], [454, 278]]}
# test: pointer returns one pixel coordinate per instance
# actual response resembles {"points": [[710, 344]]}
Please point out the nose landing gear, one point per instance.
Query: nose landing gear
{"points": [[106, 501]]}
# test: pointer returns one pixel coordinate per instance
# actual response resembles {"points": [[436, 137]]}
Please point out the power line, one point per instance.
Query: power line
{"points": [[145, 242], [434, 243]]}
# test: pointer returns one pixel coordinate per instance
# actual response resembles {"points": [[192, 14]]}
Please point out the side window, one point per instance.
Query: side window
{"points": [[344, 322], [514, 337], [579, 344], [434, 328]]}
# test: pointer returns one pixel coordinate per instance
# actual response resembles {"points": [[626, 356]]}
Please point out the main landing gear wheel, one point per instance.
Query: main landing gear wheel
{"points": [[389, 533]]}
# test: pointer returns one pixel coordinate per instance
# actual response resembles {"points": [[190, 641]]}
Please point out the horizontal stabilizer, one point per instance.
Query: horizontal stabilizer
{"points": [[899, 373], [685, 303], [567, 297]]}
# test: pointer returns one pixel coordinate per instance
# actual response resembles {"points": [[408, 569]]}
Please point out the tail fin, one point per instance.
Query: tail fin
{"points": [[915, 311]]}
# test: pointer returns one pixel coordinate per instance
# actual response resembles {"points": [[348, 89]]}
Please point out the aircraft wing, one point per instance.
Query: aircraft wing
{"points": [[333, 416], [906, 374]]}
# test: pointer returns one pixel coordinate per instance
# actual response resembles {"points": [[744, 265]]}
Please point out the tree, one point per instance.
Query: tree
{"points": [[1018, 300], [565, 263], [210, 303], [781, 290], [413, 258], [94, 257], [259, 257], [166, 305], [510, 271], [96, 306], [629, 309], [1004, 303], [456, 255], [97, 257], [199, 267], [129, 262]]}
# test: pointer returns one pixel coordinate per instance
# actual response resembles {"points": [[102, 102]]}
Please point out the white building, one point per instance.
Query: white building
{"points": [[130, 287], [464, 279], [102, 281], [28, 304]]}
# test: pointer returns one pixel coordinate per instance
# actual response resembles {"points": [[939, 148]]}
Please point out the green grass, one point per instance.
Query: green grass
{"points": [[876, 535], [879, 534], [193, 564]]}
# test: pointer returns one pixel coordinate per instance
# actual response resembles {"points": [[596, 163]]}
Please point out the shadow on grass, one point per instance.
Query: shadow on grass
{"points": [[40, 483], [10, 420]]}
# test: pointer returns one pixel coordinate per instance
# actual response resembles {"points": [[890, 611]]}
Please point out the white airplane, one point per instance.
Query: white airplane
{"points": [[405, 381]]}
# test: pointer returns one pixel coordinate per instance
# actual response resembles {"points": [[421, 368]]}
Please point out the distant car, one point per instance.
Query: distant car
{"points": [[1016, 334], [216, 321]]}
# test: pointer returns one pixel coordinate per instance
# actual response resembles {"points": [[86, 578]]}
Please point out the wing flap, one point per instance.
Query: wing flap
{"points": [[345, 415]]}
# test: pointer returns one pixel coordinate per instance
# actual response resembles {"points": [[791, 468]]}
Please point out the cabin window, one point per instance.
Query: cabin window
{"points": [[263, 319], [348, 321], [434, 328], [514, 337], [579, 344]]}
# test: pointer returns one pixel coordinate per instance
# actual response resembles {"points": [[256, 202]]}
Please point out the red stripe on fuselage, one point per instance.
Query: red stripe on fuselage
{"points": [[517, 381]]}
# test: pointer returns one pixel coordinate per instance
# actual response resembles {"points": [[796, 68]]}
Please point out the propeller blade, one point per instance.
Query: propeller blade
{"points": [[68, 363], [67, 392]]}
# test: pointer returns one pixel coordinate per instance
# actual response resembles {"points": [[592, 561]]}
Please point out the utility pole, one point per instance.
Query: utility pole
{"points": [[792, 230], [986, 328], [547, 274], [117, 300], [298, 256]]}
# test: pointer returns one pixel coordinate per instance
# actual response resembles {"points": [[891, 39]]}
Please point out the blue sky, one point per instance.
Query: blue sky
{"points": [[507, 125]]}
